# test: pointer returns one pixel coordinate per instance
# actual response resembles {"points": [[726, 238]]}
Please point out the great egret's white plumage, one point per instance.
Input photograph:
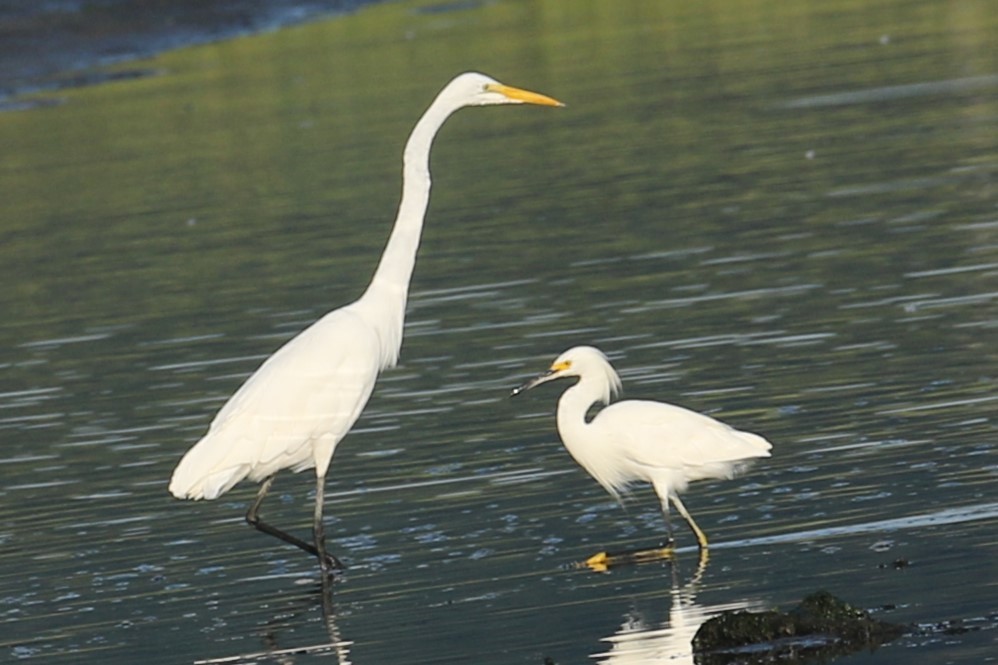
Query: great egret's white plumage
{"points": [[294, 410], [639, 440]]}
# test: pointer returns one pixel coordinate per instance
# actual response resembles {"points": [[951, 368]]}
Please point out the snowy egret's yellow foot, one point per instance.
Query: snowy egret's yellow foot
{"points": [[603, 561], [597, 562]]}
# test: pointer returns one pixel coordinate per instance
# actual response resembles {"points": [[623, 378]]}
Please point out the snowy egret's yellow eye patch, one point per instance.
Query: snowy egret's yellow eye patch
{"points": [[561, 366]]}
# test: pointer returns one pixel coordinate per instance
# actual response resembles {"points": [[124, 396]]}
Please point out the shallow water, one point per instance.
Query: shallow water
{"points": [[784, 217]]}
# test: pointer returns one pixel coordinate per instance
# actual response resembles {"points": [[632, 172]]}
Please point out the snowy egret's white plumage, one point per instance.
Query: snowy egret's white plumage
{"points": [[294, 410], [639, 440]]}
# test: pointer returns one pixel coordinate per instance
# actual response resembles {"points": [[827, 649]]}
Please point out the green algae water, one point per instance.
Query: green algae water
{"points": [[783, 215]]}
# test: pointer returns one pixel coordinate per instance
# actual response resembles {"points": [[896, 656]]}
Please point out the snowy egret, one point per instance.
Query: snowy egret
{"points": [[297, 406], [639, 440]]}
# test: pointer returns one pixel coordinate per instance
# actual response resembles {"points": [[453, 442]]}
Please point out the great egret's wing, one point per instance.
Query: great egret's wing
{"points": [[315, 385]]}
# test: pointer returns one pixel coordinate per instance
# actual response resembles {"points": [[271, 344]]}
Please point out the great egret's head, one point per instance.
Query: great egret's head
{"points": [[582, 361], [474, 89]]}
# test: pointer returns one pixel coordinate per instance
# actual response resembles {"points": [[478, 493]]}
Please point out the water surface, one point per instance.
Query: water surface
{"points": [[781, 216]]}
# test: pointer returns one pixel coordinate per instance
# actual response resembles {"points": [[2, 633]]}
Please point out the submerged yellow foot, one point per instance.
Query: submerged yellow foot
{"points": [[603, 561], [598, 562]]}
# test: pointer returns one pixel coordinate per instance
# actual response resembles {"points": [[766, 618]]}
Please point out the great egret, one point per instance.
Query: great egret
{"points": [[638, 440], [294, 410]]}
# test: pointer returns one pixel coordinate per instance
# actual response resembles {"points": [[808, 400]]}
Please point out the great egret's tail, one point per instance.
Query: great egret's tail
{"points": [[204, 474]]}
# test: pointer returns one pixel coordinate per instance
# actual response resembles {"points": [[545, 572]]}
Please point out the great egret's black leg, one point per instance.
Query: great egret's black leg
{"points": [[253, 518], [327, 561]]}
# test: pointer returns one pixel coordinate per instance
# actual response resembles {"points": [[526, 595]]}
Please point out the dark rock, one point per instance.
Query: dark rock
{"points": [[822, 626]]}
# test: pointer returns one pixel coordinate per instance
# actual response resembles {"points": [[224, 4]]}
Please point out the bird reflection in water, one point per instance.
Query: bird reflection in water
{"points": [[641, 639], [273, 651]]}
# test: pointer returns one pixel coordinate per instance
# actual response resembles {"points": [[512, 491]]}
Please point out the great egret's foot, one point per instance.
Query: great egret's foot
{"points": [[602, 562], [330, 565]]}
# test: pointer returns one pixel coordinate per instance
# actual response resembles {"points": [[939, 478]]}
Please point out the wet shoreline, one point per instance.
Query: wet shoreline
{"points": [[69, 43]]}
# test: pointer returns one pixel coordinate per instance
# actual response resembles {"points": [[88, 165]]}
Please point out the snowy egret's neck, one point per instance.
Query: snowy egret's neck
{"points": [[389, 288], [580, 438], [576, 402]]}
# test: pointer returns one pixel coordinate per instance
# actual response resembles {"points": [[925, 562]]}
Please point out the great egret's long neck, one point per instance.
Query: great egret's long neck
{"points": [[399, 258], [385, 299]]}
